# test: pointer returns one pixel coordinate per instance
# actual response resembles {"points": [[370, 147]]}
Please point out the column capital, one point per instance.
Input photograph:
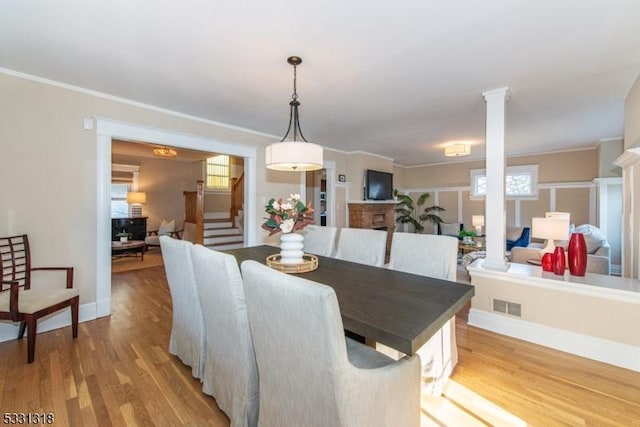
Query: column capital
{"points": [[503, 93]]}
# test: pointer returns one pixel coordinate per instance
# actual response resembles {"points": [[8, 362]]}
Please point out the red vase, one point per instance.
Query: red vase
{"points": [[577, 255], [547, 262], [558, 260]]}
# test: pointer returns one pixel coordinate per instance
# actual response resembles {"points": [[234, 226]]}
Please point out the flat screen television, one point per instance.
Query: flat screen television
{"points": [[378, 185]]}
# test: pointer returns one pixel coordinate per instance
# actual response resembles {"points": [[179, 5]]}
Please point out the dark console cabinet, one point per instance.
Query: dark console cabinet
{"points": [[136, 227]]}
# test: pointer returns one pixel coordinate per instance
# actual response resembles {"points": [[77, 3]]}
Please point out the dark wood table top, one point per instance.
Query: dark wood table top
{"points": [[397, 309]]}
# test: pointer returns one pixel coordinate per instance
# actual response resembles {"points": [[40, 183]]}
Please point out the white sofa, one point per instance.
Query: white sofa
{"points": [[598, 250]]}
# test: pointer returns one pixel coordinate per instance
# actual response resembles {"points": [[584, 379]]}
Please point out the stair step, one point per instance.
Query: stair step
{"points": [[217, 224], [224, 239], [227, 231], [225, 246]]}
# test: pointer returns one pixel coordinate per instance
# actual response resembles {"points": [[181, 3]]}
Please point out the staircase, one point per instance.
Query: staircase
{"points": [[220, 234]]}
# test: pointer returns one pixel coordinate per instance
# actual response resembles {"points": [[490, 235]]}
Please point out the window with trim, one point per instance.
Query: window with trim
{"points": [[521, 182], [217, 172], [119, 205]]}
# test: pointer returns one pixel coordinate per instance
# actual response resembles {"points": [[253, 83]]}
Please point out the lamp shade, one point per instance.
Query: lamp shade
{"points": [[564, 215], [550, 228], [455, 150], [294, 156], [136, 197], [477, 220]]}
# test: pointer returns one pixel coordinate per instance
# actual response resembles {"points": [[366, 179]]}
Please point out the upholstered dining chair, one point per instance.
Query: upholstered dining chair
{"points": [[433, 256], [19, 302], [187, 331], [319, 240], [362, 245], [230, 372], [310, 375]]}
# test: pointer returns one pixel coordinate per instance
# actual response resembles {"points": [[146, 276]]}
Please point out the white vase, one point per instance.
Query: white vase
{"points": [[291, 245]]}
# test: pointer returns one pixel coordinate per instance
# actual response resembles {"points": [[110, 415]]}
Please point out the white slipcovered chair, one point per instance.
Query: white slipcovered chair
{"points": [[319, 240], [187, 339], [309, 375], [230, 372], [433, 256], [362, 245]]}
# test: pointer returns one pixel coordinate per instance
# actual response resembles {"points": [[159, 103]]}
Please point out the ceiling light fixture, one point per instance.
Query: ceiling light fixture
{"points": [[294, 155], [165, 152], [458, 149]]}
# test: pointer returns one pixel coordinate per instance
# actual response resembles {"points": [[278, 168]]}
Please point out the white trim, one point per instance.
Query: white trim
{"points": [[57, 320], [509, 156], [614, 353], [108, 129], [116, 167], [106, 96]]}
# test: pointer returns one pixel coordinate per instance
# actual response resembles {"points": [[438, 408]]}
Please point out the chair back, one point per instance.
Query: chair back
{"points": [[425, 254], [15, 261], [187, 332], [450, 229], [319, 240], [299, 346], [362, 245], [230, 372]]}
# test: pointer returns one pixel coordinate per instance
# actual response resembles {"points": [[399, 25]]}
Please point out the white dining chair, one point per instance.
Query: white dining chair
{"points": [[434, 256], [230, 372], [362, 245], [187, 331], [310, 375], [319, 240]]}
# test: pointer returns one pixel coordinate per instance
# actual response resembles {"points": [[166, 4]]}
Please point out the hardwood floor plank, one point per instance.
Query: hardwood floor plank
{"points": [[119, 372]]}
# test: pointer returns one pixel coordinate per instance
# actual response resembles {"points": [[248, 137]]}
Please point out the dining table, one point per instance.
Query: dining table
{"points": [[394, 308]]}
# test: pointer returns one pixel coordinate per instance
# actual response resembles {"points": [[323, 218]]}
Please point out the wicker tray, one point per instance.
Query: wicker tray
{"points": [[310, 263]]}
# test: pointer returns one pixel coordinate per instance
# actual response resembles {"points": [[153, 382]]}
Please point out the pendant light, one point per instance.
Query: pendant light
{"points": [[294, 155]]}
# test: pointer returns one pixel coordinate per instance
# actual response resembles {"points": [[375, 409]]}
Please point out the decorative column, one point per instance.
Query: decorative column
{"points": [[495, 213]]}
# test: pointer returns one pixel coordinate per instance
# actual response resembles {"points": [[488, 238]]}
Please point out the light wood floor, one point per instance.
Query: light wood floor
{"points": [[118, 372]]}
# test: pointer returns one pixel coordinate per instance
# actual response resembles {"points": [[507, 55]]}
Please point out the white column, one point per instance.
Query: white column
{"points": [[495, 212]]}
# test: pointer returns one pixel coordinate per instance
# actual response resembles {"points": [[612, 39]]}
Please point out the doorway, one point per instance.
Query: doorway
{"points": [[106, 131]]}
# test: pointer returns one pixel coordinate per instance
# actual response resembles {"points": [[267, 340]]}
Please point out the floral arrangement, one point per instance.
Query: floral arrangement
{"points": [[287, 217]]}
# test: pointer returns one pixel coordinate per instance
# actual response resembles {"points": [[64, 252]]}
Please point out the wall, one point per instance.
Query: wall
{"points": [[52, 161], [608, 152], [449, 187], [164, 181], [631, 200]]}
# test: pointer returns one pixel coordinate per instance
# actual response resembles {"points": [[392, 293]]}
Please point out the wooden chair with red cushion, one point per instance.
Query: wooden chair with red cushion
{"points": [[20, 303]]}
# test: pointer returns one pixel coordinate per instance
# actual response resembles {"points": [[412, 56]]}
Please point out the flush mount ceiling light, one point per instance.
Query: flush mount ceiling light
{"points": [[294, 155], [458, 149], [165, 152]]}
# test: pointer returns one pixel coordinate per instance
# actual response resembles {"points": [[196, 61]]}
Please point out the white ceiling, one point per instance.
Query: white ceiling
{"points": [[400, 79]]}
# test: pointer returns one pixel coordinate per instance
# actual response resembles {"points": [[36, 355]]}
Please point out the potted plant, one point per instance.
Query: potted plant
{"points": [[409, 212], [467, 236], [123, 235]]}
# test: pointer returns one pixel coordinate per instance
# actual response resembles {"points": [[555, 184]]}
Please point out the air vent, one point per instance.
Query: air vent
{"points": [[500, 306], [514, 309], [506, 307]]}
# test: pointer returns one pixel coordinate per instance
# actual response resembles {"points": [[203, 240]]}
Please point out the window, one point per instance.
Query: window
{"points": [[217, 172], [521, 182], [119, 205]]}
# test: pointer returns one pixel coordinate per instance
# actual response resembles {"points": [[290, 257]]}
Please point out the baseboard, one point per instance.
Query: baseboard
{"points": [[616, 270], [611, 352], [86, 312]]}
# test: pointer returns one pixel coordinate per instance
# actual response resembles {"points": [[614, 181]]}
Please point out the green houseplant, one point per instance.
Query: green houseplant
{"points": [[467, 235], [408, 211]]}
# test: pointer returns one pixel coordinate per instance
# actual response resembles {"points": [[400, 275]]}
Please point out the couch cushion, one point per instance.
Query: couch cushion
{"points": [[166, 228], [593, 237]]}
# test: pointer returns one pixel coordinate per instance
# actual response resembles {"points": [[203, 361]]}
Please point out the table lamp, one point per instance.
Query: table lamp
{"points": [[478, 222], [564, 215], [135, 199], [550, 229]]}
